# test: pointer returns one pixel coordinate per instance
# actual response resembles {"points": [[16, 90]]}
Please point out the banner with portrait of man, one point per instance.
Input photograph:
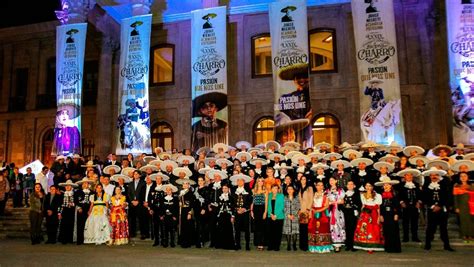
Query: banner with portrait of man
{"points": [[70, 47], [377, 65], [460, 24], [133, 120], [292, 111], [209, 77]]}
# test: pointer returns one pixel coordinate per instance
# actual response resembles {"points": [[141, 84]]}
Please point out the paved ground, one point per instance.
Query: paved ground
{"points": [[21, 253]]}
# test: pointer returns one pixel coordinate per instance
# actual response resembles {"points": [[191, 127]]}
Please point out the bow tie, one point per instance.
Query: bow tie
{"points": [[434, 186], [409, 185], [362, 173]]}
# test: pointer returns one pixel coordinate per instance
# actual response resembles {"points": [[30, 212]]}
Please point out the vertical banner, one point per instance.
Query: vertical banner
{"points": [[460, 16], [377, 66], [133, 119], [209, 77], [289, 34], [70, 46]]}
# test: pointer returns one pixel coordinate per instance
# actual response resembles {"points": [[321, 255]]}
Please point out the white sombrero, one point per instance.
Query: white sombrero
{"points": [[166, 163], [276, 155], [125, 178], [185, 180], [163, 176], [226, 161], [152, 167], [84, 180], [333, 154], [282, 166], [414, 172], [164, 155], [68, 182], [204, 149], [348, 152], [293, 153], [208, 160], [393, 145], [286, 148], [212, 174], [90, 164], [438, 148], [148, 159], [413, 160], [244, 144], [388, 157], [183, 158], [236, 177], [444, 165], [319, 145], [179, 170], [386, 180], [319, 165], [381, 164], [407, 150], [375, 80], [220, 146], [456, 166], [204, 170], [127, 170], [254, 161], [317, 155], [355, 162], [174, 189], [335, 163], [243, 154], [270, 143], [296, 158], [469, 156], [434, 170], [107, 169]]}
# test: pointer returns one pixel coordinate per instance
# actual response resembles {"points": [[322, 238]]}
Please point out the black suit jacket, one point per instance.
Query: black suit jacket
{"points": [[52, 205], [138, 193]]}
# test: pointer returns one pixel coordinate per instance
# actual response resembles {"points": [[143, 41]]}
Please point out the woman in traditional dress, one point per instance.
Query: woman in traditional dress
{"points": [[464, 206], [291, 224], [36, 214], [257, 212], [368, 235], [389, 214], [98, 229], [319, 233], [305, 196], [335, 196], [118, 218]]}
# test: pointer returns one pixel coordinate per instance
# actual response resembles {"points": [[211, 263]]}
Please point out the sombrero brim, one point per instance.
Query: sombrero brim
{"points": [[392, 182], [289, 73], [72, 109], [219, 99]]}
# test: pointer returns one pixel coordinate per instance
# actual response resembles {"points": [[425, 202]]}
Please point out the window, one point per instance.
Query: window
{"points": [[18, 95], [261, 55], [162, 136], [48, 99], [88, 147], [90, 82], [162, 66], [326, 128], [263, 130], [322, 47]]}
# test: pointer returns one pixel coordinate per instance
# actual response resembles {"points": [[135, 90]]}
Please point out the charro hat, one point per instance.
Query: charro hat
{"points": [[470, 165], [243, 154], [219, 99], [348, 152], [328, 156], [241, 144], [282, 166], [408, 149], [439, 163], [125, 178], [148, 166], [208, 160], [319, 166], [166, 163], [127, 170], [386, 180], [187, 171], [236, 177], [204, 149], [181, 159], [90, 163], [110, 167], [381, 164], [174, 189], [68, 182], [355, 162], [335, 163], [316, 155], [272, 143], [289, 72], [413, 160], [84, 180], [71, 108], [276, 155], [298, 157], [148, 159], [185, 180], [163, 176], [438, 148], [434, 170], [213, 172], [218, 146], [220, 161], [388, 157], [375, 80], [319, 145], [254, 161]]}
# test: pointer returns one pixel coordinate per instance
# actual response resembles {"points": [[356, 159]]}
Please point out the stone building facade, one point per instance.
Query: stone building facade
{"points": [[25, 132]]}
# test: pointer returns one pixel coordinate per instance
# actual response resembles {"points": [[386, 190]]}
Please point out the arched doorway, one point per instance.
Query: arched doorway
{"points": [[326, 128], [263, 130], [47, 147], [162, 136]]}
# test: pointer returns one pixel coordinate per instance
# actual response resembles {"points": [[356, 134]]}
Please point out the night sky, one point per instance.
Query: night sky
{"points": [[22, 12]]}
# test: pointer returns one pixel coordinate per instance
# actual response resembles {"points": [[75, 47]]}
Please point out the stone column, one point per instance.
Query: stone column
{"points": [[7, 77], [105, 116]]}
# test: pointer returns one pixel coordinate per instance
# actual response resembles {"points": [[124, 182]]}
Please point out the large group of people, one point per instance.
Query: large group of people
{"points": [[322, 199]]}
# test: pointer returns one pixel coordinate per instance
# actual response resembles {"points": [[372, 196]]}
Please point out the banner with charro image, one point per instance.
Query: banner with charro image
{"points": [[377, 65], [289, 34], [209, 77], [70, 47], [133, 121], [460, 24]]}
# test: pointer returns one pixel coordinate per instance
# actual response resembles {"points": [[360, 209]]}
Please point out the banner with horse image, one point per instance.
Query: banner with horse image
{"points": [[70, 47], [292, 111], [133, 121], [378, 75], [209, 77], [460, 23]]}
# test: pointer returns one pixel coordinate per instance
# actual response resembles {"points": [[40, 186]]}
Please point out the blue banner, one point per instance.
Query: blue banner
{"points": [[133, 121], [70, 46]]}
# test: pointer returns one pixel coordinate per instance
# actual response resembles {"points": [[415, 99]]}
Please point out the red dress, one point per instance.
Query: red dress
{"points": [[368, 234], [319, 232]]}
